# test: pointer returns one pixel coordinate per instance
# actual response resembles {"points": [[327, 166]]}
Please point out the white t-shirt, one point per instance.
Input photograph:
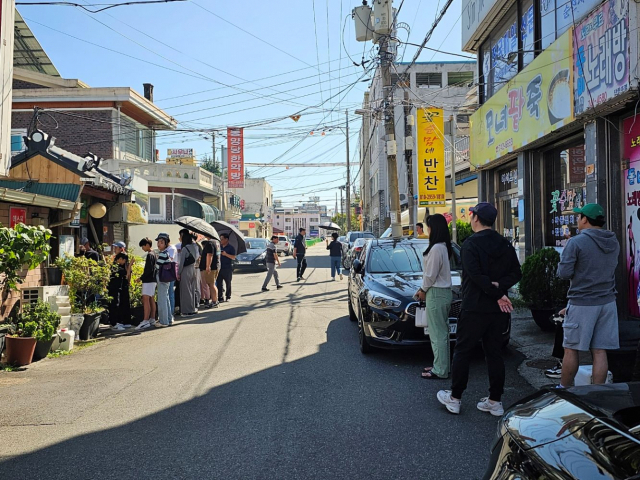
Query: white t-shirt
{"points": [[172, 251]]}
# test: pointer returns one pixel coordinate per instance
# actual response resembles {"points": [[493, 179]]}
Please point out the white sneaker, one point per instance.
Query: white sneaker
{"points": [[494, 408], [160, 325], [118, 327], [341, 277], [144, 324], [444, 397]]}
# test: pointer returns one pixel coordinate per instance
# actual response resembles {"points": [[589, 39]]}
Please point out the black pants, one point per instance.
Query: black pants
{"points": [[302, 264], [474, 326], [558, 349], [225, 275]]}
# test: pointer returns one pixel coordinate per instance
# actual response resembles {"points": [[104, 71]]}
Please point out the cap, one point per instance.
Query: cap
{"points": [[84, 241], [119, 244], [162, 235], [486, 211], [591, 210]]}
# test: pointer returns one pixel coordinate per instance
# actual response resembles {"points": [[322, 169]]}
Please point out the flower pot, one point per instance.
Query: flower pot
{"points": [[542, 317], [53, 276], [75, 323], [43, 348], [90, 326], [20, 350]]}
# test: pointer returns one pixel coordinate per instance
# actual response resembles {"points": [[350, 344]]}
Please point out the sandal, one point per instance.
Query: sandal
{"points": [[432, 376], [428, 369]]}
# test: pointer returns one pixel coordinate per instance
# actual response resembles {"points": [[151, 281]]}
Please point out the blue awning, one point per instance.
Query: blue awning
{"points": [[466, 179]]}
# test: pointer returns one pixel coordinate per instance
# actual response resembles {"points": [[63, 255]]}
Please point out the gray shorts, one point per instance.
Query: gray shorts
{"points": [[591, 327]]}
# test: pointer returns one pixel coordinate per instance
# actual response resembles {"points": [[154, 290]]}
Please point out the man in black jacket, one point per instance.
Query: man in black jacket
{"points": [[490, 267], [299, 251]]}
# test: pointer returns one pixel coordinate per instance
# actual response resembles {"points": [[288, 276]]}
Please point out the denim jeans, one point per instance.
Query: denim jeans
{"points": [[172, 297], [164, 315], [336, 266]]}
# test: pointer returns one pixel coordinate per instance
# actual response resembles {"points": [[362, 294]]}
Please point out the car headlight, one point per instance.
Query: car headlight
{"points": [[261, 256], [380, 300]]}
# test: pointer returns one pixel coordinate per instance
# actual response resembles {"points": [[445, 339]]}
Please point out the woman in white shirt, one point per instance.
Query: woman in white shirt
{"points": [[436, 291]]}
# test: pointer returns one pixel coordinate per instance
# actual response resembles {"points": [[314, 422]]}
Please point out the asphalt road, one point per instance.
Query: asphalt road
{"points": [[270, 386]]}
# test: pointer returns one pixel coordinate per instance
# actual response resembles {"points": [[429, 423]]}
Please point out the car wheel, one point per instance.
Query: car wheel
{"points": [[352, 314], [365, 348]]}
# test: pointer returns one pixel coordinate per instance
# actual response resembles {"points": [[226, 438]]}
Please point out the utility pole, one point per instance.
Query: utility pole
{"points": [[389, 127], [453, 127], [408, 150], [213, 140], [341, 202], [348, 177]]}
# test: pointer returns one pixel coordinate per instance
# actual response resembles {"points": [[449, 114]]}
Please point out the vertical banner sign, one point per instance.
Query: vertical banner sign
{"points": [[7, 14], [235, 144], [430, 132], [17, 215], [601, 56], [631, 152], [577, 164]]}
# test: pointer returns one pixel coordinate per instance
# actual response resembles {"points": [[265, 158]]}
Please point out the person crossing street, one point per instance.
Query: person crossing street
{"points": [[272, 258], [299, 252]]}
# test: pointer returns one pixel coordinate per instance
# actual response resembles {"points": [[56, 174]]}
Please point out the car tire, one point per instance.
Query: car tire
{"points": [[365, 348], [352, 313]]}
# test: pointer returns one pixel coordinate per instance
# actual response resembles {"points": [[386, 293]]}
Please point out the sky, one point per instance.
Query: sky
{"points": [[216, 64]]}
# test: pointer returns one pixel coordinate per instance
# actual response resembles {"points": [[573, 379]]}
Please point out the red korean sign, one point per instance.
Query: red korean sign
{"points": [[631, 139], [235, 146], [577, 164], [17, 215], [252, 225]]}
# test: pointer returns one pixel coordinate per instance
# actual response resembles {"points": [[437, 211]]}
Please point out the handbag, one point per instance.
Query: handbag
{"points": [[190, 260], [168, 272], [421, 316]]}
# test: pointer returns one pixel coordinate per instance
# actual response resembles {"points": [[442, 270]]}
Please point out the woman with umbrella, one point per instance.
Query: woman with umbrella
{"points": [[188, 274], [335, 254]]}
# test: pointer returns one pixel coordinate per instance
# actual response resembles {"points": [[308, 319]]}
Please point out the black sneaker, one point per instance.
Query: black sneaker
{"points": [[279, 287], [555, 372], [265, 289], [215, 305]]}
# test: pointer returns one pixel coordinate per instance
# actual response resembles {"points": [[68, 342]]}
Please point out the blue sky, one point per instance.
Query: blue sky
{"points": [[274, 61]]}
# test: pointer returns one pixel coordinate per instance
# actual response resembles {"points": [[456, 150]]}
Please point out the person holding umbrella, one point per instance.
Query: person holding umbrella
{"points": [[335, 254], [187, 274]]}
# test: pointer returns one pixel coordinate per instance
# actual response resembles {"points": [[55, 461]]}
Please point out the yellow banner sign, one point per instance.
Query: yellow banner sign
{"points": [[430, 133], [534, 103]]}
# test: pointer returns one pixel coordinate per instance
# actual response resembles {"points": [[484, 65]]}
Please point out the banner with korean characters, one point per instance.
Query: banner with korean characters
{"points": [[631, 153], [235, 144], [601, 55], [431, 179], [534, 103]]}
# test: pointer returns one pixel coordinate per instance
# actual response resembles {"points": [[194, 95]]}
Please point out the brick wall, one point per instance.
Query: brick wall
{"points": [[22, 85], [77, 135]]}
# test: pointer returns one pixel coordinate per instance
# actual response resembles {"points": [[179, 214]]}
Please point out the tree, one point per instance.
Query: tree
{"points": [[341, 220], [211, 165]]}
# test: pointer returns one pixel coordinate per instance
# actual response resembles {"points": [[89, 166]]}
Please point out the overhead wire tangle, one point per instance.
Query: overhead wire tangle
{"points": [[106, 6]]}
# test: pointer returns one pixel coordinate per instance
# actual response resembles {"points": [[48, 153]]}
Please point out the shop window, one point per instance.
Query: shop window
{"points": [[155, 206], [504, 52], [527, 32], [566, 189], [486, 73], [547, 23], [509, 207]]}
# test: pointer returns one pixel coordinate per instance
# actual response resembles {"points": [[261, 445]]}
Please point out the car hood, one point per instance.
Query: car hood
{"points": [[251, 254], [406, 284]]}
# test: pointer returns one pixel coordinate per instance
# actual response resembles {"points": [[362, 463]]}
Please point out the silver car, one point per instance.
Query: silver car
{"points": [[284, 246]]}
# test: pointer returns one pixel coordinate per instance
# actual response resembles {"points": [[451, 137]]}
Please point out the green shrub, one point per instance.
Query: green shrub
{"points": [[540, 287], [463, 230]]}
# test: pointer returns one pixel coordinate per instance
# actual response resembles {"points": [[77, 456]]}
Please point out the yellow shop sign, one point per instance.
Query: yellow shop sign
{"points": [[430, 164], [534, 103]]}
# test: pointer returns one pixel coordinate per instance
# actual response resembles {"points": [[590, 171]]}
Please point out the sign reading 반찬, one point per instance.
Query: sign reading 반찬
{"points": [[601, 56], [235, 144], [534, 103], [430, 132]]}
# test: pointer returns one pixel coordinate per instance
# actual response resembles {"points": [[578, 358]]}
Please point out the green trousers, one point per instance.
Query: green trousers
{"points": [[438, 303]]}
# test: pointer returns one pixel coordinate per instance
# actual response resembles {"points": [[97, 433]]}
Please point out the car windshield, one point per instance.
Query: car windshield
{"points": [[354, 235], [359, 242], [400, 258], [256, 243], [283, 239], [342, 238]]}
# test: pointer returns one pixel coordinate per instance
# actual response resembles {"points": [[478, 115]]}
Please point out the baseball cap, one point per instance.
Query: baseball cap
{"points": [[162, 235], [486, 211], [591, 210], [84, 241], [119, 244]]}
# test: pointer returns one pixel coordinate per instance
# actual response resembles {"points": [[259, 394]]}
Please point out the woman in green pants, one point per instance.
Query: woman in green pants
{"points": [[436, 291]]}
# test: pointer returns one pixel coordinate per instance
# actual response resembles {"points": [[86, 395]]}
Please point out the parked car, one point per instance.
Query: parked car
{"points": [[284, 246], [255, 258], [351, 237], [590, 432], [382, 282], [351, 255]]}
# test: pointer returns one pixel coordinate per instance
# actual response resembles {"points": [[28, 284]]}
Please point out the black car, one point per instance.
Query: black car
{"points": [[590, 432], [255, 258], [382, 283]]}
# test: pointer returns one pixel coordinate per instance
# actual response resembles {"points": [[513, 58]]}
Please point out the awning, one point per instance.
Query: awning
{"points": [[14, 196], [466, 179], [63, 191], [206, 212]]}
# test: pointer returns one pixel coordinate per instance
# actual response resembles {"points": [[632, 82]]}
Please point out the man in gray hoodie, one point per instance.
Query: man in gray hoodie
{"points": [[591, 323]]}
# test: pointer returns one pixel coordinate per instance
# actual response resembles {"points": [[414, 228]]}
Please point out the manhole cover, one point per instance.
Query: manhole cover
{"points": [[542, 364]]}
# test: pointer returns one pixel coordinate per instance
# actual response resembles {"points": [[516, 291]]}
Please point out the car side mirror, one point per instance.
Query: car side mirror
{"points": [[357, 266]]}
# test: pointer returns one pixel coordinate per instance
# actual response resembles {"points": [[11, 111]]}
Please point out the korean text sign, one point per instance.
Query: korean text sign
{"points": [[17, 215], [534, 103], [430, 132], [601, 55], [631, 152], [235, 144]]}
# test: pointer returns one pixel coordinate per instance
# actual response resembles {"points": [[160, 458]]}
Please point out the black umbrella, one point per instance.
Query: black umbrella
{"points": [[330, 226], [198, 225], [236, 239]]}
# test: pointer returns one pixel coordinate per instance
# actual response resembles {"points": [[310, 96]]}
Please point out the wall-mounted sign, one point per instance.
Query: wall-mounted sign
{"points": [[473, 13], [576, 164], [180, 153], [235, 144], [430, 165], [632, 219], [534, 103], [601, 56], [252, 225], [17, 215]]}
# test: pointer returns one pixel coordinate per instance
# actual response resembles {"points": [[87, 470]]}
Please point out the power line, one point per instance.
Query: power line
{"points": [[107, 6]]}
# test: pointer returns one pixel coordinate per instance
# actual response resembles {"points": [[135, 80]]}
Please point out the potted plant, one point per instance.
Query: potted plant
{"points": [[88, 283], [540, 287], [48, 323], [21, 342]]}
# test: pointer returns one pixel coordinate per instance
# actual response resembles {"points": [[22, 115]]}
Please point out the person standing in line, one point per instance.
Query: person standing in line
{"points": [[420, 230], [299, 252], [589, 261], [172, 251], [211, 261], [227, 256], [335, 256], [125, 294], [177, 286], [205, 292], [117, 284], [187, 274], [436, 292], [165, 318], [148, 280], [87, 251], [490, 267], [271, 259]]}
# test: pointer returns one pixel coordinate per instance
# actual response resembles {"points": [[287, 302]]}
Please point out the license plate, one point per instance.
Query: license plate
{"points": [[244, 263], [453, 328]]}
